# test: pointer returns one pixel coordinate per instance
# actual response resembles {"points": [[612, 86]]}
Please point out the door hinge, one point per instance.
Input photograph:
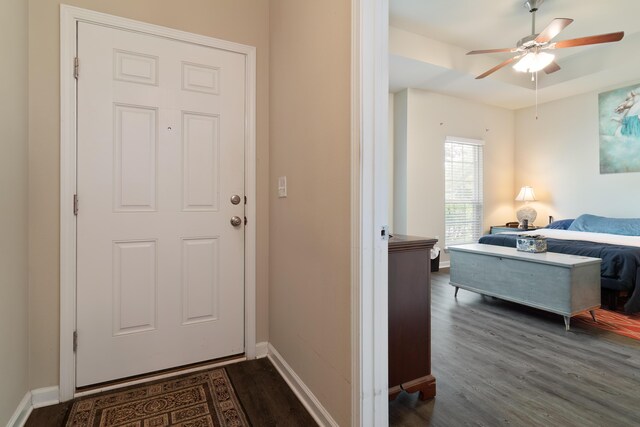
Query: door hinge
{"points": [[245, 200], [75, 341], [76, 67], [75, 204], [245, 220]]}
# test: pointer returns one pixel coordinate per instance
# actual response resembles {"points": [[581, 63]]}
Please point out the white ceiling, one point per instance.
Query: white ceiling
{"points": [[428, 40]]}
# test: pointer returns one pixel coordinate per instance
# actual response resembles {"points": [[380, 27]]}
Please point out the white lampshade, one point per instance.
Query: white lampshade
{"points": [[533, 61], [527, 212], [526, 194]]}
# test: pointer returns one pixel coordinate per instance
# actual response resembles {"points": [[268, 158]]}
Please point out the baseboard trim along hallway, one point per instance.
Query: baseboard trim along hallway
{"points": [[262, 349], [45, 397], [37, 398], [300, 389], [22, 412]]}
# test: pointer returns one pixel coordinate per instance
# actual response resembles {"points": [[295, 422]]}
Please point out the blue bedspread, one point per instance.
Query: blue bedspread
{"points": [[620, 268]]}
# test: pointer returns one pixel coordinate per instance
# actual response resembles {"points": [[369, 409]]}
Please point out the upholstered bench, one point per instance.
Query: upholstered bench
{"points": [[558, 283]]}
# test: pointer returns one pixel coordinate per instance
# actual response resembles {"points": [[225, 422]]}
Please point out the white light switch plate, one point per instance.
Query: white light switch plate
{"points": [[282, 186]]}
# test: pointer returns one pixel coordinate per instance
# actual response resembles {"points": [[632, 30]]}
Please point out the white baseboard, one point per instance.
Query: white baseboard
{"points": [[313, 405], [445, 264], [22, 412], [33, 399], [262, 349], [45, 397]]}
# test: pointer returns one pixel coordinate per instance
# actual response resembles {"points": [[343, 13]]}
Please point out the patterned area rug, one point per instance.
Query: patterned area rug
{"points": [[619, 323], [204, 399]]}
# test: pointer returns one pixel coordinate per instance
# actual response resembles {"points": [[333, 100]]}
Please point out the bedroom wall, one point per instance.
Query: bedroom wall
{"points": [[422, 122], [13, 209], [390, 164], [243, 21], [399, 180], [558, 155], [309, 284]]}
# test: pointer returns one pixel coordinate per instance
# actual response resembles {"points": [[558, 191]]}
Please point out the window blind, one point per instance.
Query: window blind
{"points": [[463, 190]]}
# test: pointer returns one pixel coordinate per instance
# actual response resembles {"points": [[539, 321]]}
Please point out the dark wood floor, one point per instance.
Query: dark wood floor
{"points": [[265, 397], [498, 363]]}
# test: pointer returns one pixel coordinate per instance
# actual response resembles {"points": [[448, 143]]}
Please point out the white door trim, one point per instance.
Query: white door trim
{"points": [[369, 181], [69, 17]]}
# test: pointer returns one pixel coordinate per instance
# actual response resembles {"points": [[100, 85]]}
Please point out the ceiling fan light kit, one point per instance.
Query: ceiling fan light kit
{"points": [[533, 62], [529, 49]]}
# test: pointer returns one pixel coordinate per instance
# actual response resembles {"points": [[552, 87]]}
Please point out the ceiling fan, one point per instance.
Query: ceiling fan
{"points": [[530, 49]]}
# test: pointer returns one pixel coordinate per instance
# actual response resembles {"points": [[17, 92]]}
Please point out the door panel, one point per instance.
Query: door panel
{"points": [[201, 155], [200, 280], [135, 158], [134, 287], [160, 280]]}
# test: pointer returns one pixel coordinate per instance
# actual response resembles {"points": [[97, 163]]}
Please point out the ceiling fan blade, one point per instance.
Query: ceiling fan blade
{"points": [[506, 49], [552, 68], [497, 67], [553, 29], [582, 41]]}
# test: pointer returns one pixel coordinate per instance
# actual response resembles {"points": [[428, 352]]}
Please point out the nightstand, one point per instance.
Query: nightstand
{"points": [[501, 228]]}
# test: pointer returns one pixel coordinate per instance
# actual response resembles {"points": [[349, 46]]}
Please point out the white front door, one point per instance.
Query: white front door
{"points": [[160, 267]]}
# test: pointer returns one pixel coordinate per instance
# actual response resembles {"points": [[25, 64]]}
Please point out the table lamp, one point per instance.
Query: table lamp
{"points": [[526, 212]]}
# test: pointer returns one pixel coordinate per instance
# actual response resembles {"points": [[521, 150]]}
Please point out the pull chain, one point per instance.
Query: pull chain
{"points": [[536, 80]]}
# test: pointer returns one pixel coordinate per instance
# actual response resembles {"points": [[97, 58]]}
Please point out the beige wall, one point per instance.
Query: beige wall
{"points": [[390, 164], [309, 282], [399, 182], [242, 21], [422, 122], [13, 208], [558, 155]]}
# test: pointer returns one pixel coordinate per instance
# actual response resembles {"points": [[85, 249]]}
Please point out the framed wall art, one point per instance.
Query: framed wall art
{"points": [[619, 115]]}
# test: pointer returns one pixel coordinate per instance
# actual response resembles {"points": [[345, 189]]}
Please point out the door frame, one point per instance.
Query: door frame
{"points": [[369, 238], [69, 17]]}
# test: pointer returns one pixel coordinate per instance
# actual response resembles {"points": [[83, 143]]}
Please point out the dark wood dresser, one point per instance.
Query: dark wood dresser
{"points": [[410, 316]]}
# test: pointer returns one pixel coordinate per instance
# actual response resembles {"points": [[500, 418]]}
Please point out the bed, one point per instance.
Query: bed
{"points": [[620, 254]]}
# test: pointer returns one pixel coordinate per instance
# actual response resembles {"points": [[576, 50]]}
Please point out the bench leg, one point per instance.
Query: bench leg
{"points": [[456, 294], [567, 320], [593, 315]]}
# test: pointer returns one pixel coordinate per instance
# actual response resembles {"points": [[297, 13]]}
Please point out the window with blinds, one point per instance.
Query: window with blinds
{"points": [[463, 203]]}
